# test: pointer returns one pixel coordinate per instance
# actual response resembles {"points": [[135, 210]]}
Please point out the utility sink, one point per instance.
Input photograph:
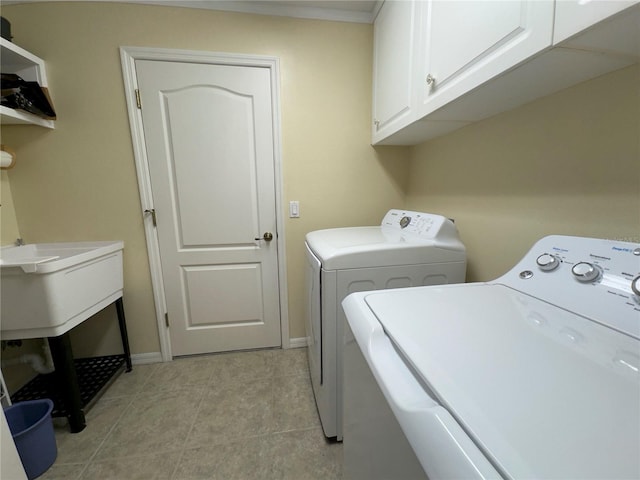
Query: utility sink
{"points": [[49, 288]]}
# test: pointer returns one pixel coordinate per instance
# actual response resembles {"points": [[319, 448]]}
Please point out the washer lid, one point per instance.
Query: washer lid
{"points": [[543, 392], [358, 247]]}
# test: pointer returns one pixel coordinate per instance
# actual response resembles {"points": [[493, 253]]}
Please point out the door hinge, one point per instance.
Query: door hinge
{"points": [[138, 102], [166, 319], [152, 212]]}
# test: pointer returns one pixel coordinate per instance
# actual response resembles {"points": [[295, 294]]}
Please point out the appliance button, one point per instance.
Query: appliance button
{"points": [[526, 274], [585, 272], [547, 262]]}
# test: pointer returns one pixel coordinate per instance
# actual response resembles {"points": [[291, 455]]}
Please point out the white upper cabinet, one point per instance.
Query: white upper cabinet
{"points": [[574, 16], [393, 60], [466, 43], [442, 64], [31, 68]]}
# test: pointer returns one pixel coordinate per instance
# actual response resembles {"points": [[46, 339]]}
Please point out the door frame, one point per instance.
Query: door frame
{"points": [[128, 56]]}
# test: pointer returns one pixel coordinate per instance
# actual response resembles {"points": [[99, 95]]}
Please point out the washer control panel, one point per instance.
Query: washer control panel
{"points": [[598, 279]]}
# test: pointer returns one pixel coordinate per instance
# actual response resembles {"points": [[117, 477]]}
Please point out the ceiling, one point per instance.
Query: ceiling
{"points": [[358, 11]]}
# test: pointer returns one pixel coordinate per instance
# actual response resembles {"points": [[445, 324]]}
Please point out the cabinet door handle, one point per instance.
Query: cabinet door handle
{"points": [[431, 80]]}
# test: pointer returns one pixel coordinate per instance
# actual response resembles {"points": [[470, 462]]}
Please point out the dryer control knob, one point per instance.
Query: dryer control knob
{"points": [[547, 262], [635, 286], [585, 272]]}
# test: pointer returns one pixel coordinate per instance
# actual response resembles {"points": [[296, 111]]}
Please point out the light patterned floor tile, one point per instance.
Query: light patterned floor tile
{"points": [[235, 460], [80, 447], [152, 467], [241, 415], [294, 407], [242, 366], [305, 455], [69, 471], [233, 410], [297, 455], [130, 383], [156, 422], [180, 373], [291, 362]]}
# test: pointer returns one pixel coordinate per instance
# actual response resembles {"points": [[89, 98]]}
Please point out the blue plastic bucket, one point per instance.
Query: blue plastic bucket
{"points": [[32, 431]]}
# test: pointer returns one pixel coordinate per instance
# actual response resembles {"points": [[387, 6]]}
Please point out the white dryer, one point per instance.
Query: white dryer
{"points": [[407, 249]]}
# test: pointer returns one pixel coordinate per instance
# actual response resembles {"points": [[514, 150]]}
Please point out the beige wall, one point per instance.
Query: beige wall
{"points": [[78, 182], [565, 164], [8, 222]]}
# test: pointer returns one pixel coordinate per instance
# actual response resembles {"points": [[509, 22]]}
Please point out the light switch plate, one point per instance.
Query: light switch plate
{"points": [[294, 209]]}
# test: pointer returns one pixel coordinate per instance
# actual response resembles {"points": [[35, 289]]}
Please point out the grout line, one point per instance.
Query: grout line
{"points": [[186, 438], [106, 436]]}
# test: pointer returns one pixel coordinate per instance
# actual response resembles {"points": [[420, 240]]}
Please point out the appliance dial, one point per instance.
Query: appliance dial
{"points": [[547, 262], [404, 222], [635, 286], [585, 272]]}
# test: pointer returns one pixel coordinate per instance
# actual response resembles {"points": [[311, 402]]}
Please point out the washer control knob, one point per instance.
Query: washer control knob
{"points": [[404, 222], [585, 272], [547, 262], [635, 286]]}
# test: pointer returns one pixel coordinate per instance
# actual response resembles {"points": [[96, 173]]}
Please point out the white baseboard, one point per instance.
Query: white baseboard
{"points": [[156, 357], [298, 342], [145, 358]]}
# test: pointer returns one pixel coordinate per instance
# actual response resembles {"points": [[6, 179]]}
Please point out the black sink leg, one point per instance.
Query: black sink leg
{"points": [[123, 333], [68, 380]]}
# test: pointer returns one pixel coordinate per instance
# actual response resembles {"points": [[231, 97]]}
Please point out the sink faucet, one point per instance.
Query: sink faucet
{"points": [[19, 242]]}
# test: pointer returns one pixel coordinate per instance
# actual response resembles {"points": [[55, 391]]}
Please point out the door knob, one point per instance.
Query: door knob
{"points": [[267, 237]]}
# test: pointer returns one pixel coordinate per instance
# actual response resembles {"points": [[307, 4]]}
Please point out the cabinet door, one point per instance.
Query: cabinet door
{"points": [[465, 43], [573, 16], [393, 59]]}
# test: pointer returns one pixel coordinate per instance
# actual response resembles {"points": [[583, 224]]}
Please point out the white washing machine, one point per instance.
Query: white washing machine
{"points": [[407, 249], [533, 375]]}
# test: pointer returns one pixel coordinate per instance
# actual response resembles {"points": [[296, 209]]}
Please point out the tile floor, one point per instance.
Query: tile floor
{"points": [[247, 415]]}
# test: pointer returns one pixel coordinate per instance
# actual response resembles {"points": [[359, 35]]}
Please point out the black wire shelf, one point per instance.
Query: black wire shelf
{"points": [[94, 374]]}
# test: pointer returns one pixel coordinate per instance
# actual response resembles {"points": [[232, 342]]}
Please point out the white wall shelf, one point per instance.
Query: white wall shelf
{"points": [[15, 59]]}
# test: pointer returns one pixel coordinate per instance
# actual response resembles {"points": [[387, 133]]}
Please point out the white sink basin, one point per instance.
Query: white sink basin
{"points": [[49, 288]]}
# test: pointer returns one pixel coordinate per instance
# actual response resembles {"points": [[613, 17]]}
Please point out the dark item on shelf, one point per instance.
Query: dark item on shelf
{"points": [[29, 96], [5, 29]]}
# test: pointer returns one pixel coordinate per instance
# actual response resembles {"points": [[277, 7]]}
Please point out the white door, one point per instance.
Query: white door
{"points": [[209, 141]]}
